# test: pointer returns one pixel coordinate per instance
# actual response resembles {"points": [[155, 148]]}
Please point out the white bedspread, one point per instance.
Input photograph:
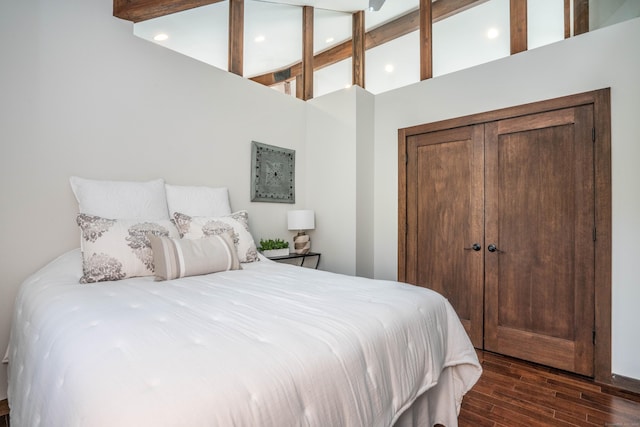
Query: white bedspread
{"points": [[270, 345]]}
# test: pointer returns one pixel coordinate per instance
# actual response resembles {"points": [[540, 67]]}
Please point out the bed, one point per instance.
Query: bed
{"points": [[264, 344]]}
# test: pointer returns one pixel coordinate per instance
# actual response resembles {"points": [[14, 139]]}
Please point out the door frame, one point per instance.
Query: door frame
{"points": [[601, 101]]}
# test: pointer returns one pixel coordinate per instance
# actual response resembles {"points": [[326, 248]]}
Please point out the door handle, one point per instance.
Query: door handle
{"points": [[494, 248], [476, 247]]}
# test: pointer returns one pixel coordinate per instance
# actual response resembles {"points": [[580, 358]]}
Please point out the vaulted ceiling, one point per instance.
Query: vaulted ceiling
{"points": [[397, 19]]}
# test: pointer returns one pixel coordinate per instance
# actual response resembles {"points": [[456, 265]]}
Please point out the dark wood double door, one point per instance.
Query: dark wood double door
{"points": [[500, 219]]}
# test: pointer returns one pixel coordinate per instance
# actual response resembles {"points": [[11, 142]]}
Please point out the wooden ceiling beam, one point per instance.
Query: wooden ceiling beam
{"points": [[567, 19], [518, 25], [358, 50], [399, 27], [236, 37], [141, 10], [426, 42], [580, 17], [307, 53]]}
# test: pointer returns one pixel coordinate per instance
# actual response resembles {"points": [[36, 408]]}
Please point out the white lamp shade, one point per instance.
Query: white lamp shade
{"points": [[301, 220]]}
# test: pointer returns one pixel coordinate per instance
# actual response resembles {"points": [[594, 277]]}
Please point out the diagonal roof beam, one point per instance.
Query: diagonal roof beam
{"points": [[141, 10], [399, 27]]}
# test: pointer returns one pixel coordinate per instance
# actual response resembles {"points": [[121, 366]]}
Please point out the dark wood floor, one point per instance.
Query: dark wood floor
{"points": [[4, 411], [515, 393]]}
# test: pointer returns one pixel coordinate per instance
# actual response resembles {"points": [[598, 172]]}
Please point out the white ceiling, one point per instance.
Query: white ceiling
{"points": [[273, 36], [202, 33], [337, 5]]}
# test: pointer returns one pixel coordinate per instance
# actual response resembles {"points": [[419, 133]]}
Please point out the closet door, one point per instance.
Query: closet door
{"points": [[444, 240], [539, 251]]}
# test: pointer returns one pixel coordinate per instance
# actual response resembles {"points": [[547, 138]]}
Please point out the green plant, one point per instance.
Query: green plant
{"points": [[269, 244]]}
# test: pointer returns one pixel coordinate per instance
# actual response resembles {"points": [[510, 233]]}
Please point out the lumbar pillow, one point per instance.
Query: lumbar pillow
{"points": [[237, 224], [198, 201], [174, 258], [114, 249], [121, 199]]}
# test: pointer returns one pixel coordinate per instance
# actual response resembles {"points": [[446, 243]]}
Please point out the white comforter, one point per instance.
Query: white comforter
{"points": [[270, 345]]}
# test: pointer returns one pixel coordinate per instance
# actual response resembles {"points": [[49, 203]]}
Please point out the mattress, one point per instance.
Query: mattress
{"points": [[269, 345]]}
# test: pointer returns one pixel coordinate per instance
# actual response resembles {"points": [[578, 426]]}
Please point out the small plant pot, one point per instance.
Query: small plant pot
{"points": [[276, 252]]}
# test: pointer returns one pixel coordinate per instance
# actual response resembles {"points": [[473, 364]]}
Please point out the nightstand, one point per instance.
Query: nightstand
{"points": [[309, 260]]}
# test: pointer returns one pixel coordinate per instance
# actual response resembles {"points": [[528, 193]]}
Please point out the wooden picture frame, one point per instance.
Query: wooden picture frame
{"points": [[272, 173]]}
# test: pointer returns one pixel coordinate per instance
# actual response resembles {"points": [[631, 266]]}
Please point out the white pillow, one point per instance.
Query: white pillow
{"points": [[237, 223], [121, 199], [114, 249], [198, 201]]}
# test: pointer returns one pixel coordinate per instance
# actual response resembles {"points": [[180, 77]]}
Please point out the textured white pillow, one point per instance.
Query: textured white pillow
{"points": [[237, 223], [121, 199], [198, 201], [114, 249]]}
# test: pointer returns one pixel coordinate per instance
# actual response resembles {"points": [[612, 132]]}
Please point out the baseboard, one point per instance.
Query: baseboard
{"points": [[4, 407], [626, 383]]}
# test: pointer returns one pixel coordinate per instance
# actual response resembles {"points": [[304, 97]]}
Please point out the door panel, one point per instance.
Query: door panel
{"points": [[445, 216], [540, 215]]}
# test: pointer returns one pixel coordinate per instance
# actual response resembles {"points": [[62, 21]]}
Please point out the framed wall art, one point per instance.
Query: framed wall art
{"points": [[273, 173]]}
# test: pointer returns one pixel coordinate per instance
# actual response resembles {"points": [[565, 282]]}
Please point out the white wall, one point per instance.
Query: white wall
{"points": [[80, 95], [365, 161], [331, 184], [608, 57], [340, 167]]}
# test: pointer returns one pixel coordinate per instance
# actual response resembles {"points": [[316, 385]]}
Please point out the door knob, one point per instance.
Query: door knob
{"points": [[476, 247], [493, 248]]}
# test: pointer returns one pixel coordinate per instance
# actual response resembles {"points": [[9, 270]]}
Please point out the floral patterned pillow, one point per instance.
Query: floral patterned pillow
{"points": [[114, 249], [237, 223]]}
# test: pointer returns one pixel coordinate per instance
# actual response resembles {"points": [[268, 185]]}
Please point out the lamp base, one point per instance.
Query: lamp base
{"points": [[301, 243]]}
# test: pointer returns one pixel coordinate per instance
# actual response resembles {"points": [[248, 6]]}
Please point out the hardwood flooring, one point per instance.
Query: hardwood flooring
{"points": [[4, 413], [514, 393]]}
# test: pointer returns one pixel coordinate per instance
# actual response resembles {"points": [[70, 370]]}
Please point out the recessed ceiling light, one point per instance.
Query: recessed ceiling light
{"points": [[388, 68], [492, 33], [259, 39], [329, 40], [161, 37]]}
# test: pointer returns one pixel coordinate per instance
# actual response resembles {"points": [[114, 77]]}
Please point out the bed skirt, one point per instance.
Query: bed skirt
{"points": [[438, 405]]}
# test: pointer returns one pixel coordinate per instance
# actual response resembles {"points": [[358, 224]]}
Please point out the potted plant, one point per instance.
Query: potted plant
{"points": [[273, 248]]}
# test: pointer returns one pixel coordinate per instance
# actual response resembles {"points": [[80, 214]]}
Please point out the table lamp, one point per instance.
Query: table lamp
{"points": [[301, 220]]}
